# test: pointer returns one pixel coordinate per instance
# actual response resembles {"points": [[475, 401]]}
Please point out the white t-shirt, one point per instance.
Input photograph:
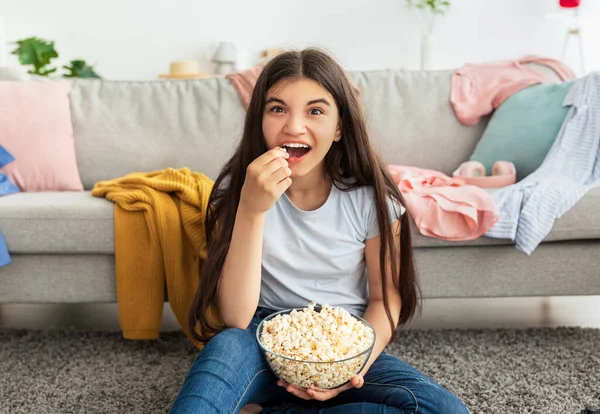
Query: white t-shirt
{"points": [[318, 256]]}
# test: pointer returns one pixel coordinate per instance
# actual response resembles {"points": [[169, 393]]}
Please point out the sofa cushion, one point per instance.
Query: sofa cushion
{"points": [[523, 128], [128, 126], [36, 128], [580, 222], [57, 222], [77, 222], [411, 120], [122, 127]]}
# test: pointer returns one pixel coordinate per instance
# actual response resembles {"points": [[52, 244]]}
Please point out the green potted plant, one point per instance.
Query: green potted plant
{"points": [[38, 53]]}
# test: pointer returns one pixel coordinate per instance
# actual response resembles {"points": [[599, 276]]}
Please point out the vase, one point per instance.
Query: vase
{"points": [[427, 42], [426, 51]]}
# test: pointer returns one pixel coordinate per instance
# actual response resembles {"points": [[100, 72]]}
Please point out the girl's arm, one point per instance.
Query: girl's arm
{"points": [[267, 178], [375, 313], [239, 288]]}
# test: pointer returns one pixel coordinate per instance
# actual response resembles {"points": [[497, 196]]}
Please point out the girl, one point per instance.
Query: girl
{"points": [[304, 211]]}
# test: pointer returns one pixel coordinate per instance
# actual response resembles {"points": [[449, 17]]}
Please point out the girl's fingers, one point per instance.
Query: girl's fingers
{"points": [[359, 382], [271, 155], [275, 165], [298, 392], [281, 174]]}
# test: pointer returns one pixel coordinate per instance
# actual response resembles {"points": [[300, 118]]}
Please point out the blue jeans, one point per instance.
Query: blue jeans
{"points": [[231, 372]]}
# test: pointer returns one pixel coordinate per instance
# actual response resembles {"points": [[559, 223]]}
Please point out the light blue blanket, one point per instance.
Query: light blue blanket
{"points": [[571, 168]]}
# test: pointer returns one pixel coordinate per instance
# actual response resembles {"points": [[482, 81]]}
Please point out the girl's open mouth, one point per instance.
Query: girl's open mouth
{"points": [[297, 152]]}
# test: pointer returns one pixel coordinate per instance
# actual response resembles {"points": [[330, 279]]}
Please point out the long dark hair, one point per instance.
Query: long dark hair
{"points": [[351, 157]]}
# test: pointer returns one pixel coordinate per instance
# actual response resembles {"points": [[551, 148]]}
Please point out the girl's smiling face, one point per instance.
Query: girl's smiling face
{"points": [[302, 117]]}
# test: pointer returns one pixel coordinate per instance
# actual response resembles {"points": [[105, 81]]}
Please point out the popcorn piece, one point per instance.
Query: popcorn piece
{"points": [[314, 341]]}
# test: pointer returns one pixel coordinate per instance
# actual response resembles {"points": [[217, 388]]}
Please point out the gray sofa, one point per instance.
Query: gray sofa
{"points": [[62, 243]]}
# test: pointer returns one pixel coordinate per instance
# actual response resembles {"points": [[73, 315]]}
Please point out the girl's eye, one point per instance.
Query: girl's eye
{"points": [[277, 109], [316, 111]]}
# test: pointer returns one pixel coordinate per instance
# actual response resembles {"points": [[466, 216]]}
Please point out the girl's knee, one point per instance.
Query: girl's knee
{"points": [[443, 402], [234, 340], [229, 351]]}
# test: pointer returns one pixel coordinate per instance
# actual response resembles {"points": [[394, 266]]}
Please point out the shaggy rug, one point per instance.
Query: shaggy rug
{"points": [[542, 370]]}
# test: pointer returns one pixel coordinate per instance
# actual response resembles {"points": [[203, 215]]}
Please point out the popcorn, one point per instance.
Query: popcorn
{"points": [[311, 342]]}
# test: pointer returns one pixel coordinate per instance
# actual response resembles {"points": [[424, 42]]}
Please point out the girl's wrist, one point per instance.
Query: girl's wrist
{"points": [[249, 215]]}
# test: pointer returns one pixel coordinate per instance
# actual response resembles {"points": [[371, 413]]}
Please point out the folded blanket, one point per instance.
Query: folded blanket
{"points": [[4, 254], [159, 241], [444, 207], [6, 187]]}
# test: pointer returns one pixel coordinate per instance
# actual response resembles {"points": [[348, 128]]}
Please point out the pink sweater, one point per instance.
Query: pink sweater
{"points": [[444, 207], [478, 89]]}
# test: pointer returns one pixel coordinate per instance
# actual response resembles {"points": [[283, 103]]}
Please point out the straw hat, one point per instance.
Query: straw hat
{"points": [[184, 69]]}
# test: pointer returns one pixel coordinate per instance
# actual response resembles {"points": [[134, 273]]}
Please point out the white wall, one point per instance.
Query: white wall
{"points": [[136, 39]]}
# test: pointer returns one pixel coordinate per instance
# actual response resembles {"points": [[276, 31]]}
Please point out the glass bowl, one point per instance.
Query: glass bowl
{"points": [[304, 373]]}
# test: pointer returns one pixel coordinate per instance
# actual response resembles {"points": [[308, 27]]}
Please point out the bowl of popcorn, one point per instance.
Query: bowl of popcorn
{"points": [[317, 346]]}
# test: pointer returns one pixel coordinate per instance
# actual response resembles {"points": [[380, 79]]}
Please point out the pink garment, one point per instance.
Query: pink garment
{"points": [[443, 207], [478, 89], [244, 82]]}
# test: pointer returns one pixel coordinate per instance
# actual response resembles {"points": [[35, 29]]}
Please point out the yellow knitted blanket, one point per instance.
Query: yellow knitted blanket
{"points": [[159, 242]]}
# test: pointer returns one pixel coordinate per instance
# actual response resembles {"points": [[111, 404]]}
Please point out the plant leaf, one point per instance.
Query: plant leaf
{"points": [[37, 52], [436, 6], [79, 69]]}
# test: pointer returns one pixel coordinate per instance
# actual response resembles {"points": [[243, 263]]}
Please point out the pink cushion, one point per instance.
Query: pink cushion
{"points": [[35, 127]]}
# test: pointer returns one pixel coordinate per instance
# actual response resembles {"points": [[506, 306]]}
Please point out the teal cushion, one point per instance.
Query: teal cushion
{"points": [[523, 128]]}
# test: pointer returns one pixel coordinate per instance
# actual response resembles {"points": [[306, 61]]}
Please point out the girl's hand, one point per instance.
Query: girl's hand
{"points": [[267, 178], [356, 381]]}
